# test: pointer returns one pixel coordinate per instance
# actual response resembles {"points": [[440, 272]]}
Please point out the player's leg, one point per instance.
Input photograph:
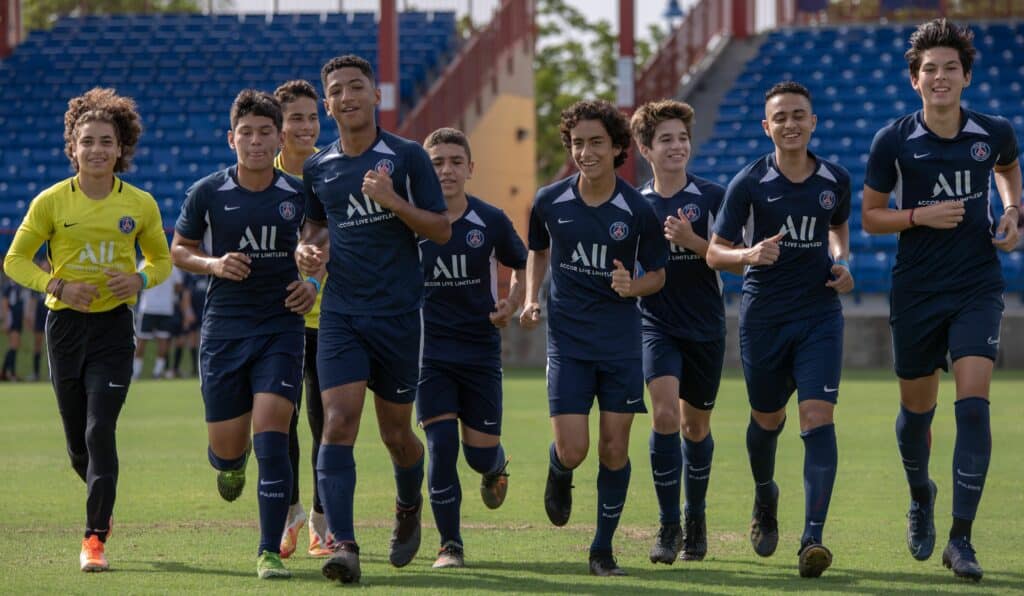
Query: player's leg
{"points": [[320, 540], [437, 403], [142, 338], [66, 351], [13, 345], [571, 386], [37, 353], [296, 514], [480, 410], [271, 416], [163, 347]]}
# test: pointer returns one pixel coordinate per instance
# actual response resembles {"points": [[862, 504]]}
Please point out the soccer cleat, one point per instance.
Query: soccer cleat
{"points": [[230, 484], [558, 497], [290, 536], [451, 555], [269, 566], [343, 566], [921, 526], [814, 559], [959, 556], [667, 544], [405, 536], [764, 525], [695, 539], [321, 542], [92, 557], [494, 486], [603, 564]]}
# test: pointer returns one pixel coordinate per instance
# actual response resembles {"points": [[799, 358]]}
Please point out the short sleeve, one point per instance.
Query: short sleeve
{"points": [[423, 186], [509, 249], [735, 209], [881, 172], [538, 239], [314, 207], [191, 222], [842, 210], [652, 248], [1008, 148]]}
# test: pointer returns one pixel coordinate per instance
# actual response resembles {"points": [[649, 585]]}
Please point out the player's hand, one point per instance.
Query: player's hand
{"points": [[622, 280], [678, 230], [122, 285], [765, 252], [233, 266], [309, 258], [503, 312], [1007, 233], [843, 279], [530, 317], [301, 296], [378, 186], [79, 295], [941, 216]]}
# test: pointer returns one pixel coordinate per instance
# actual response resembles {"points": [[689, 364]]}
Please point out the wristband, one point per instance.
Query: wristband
{"points": [[1008, 207], [842, 262], [912, 224], [144, 278], [315, 283]]}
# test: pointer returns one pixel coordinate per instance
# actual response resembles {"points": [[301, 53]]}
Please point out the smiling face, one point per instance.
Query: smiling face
{"points": [[301, 126], [255, 139], [592, 150], [351, 99], [96, 148], [941, 78], [789, 121], [453, 168], [670, 148]]}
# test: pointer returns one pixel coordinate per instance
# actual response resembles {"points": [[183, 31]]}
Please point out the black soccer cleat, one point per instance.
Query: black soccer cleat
{"points": [[558, 497], [667, 544], [343, 566], [815, 558], [695, 539], [603, 564], [921, 526], [959, 556], [405, 536], [764, 525]]}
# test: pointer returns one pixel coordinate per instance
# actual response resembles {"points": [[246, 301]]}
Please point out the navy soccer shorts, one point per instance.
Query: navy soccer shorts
{"points": [[231, 371], [804, 355], [472, 392], [697, 365], [573, 384]]}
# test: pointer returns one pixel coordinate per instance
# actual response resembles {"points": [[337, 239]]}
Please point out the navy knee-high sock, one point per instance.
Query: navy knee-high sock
{"points": [[820, 461], [697, 461], [612, 486], [667, 470], [409, 484], [443, 478], [913, 435], [336, 484], [274, 489], [556, 464], [970, 462], [761, 446], [484, 460]]}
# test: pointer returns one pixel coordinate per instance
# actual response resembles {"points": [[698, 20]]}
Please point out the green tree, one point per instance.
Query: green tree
{"points": [[575, 59], [42, 14]]}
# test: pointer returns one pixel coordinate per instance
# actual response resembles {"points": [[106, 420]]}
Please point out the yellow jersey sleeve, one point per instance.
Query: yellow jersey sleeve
{"points": [[153, 244], [35, 229]]}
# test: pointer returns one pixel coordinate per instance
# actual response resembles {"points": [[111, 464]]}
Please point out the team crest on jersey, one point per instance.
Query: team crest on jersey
{"points": [[618, 230], [827, 199], [385, 166], [980, 151], [126, 225], [287, 210], [691, 211], [475, 238]]}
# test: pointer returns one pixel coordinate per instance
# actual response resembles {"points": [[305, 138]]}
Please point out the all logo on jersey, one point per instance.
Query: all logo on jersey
{"points": [[288, 210], [475, 238], [267, 239], [960, 186], [363, 207], [455, 269], [618, 230], [803, 233], [385, 166], [100, 254], [827, 199], [980, 151], [596, 257], [691, 211], [126, 224]]}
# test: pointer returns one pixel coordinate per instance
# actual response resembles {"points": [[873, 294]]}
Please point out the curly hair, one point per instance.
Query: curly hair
{"points": [[104, 105], [940, 33], [346, 61], [292, 90], [648, 116], [614, 122], [257, 103]]}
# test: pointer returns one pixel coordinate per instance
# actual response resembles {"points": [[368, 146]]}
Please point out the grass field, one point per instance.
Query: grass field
{"points": [[173, 534]]}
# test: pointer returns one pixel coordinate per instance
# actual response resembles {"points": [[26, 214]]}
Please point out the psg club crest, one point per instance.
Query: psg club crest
{"points": [[691, 211], [287, 210], [475, 238], [827, 199], [385, 166], [619, 230], [126, 225], [980, 151]]}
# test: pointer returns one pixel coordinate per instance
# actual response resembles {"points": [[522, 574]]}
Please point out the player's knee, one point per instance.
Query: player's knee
{"points": [[572, 455], [99, 436], [613, 451], [814, 415], [397, 440], [339, 427], [666, 420], [696, 430], [769, 420]]}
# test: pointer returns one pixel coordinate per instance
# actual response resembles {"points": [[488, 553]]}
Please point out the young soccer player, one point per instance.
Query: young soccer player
{"points": [[12, 314], [792, 207], [371, 194], [299, 103], [946, 285], [683, 329], [156, 322], [251, 351], [595, 230], [461, 375], [92, 223]]}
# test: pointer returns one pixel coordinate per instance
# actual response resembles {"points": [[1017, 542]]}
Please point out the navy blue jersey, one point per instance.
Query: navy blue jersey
{"points": [[587, 320], [374, 266], [922, 169], [197, 286], [263, 225], [762, 202], [690, 305], [462, 286]]}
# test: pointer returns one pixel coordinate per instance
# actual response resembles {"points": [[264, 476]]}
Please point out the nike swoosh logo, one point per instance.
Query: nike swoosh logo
{"points": [[443, 490], [227, 208], [564, 221], [490, 422], [115, 385], [619, 506], [831, 389], [288, 385], [630, 402], [707, 467], [966, 475], [773, 199], [813, 523], [665, 473], [993, 342], [67, 225], [920, 155], [401, 391], [331, 179], [270, 482], [709, 403]]}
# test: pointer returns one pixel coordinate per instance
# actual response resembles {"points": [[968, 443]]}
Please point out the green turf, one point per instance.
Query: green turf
{"points": [[173, 534]]}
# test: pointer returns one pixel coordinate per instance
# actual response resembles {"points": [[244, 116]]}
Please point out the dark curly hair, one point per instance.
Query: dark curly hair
{"points": [[940, 33], [648, 116], [598, 109], [346, 61], [257, 103], [104, 105]]}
